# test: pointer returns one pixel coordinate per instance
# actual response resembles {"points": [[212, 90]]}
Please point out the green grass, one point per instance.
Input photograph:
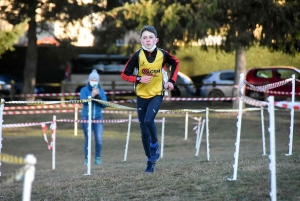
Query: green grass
{"points": [[179, 175], [194, 61]]}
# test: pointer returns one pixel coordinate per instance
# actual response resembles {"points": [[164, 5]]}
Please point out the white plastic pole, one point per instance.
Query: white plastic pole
{"points": [[89, 137], [272, 155], [162, 138], [1, 121], [197, 138], [238, 135], [292, 119], [54, 141], [198, 132], [200, 139], [76, 121], [29, 176], [263, 130], [186, 125], [127, 138], [207, 135]]}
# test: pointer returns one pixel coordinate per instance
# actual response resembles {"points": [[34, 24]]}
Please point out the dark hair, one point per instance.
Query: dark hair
{"points": [[148, 28]]}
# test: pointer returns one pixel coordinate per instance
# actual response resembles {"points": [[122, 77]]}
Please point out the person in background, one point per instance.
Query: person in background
{"points": [[146, 68], [94, 90]]}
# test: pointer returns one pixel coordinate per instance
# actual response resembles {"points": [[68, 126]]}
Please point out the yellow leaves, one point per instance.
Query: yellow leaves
{"points": [[9, 37], [171, 15], [257, 32]]}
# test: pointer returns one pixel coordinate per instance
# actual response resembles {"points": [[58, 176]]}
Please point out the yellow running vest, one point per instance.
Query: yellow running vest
{"points": [[155, 86]]}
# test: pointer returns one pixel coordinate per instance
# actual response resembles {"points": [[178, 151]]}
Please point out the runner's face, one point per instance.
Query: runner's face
{"points": [[148, 39]]}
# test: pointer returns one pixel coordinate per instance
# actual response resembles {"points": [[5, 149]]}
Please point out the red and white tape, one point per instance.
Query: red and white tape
{"points": [[67, 94], [274, 92], [93, 121], [18, 125], [43, 124], [37, 112], [58, 105], [254, 102], [288, 105], [42, 107], [44, 128], [201, 99], [65, 111], [118, 111], [268, 86]]}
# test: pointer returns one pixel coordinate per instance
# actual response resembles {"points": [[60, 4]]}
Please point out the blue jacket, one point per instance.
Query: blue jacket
{"points": [[85, 92]]}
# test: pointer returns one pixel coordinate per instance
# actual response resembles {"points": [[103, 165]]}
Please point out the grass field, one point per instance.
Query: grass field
{"points": [[179, 175]]}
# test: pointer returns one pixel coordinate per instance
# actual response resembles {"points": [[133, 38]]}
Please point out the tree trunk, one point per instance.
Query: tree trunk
{"points": [[29, 74], [240, 67]]}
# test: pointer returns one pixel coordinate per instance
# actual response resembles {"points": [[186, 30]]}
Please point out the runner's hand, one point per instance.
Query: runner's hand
{"points": [[145, 79], [169, 86]]}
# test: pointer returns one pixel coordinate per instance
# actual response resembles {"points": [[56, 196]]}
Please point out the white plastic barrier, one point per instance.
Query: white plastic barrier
{"points": [[127, 137], [200, 133], [207, 135], [263, 130], [29, 176], [1, 121], [186, 126], [75, 122], [89, 137], [162, 137], [26, 172], [272, 156], [198, 127], [53, 128], [238, 135], [292, 119]]}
